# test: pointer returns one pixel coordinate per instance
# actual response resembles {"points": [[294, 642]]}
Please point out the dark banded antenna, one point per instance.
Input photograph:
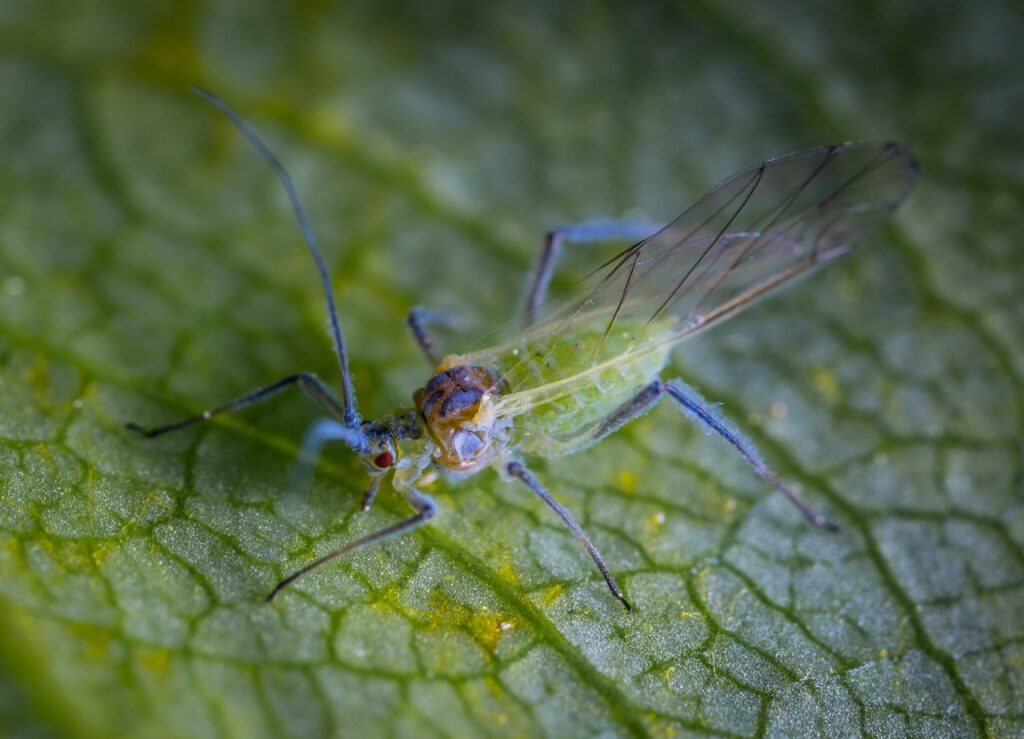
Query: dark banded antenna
{"points": [[351, 417]]}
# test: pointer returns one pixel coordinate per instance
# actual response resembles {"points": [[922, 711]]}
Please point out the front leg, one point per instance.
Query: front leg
{"points": [[425, 510], [307, 382], [319, 434]]}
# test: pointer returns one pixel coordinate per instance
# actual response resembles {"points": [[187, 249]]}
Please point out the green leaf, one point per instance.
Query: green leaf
{"points": [[150, 267]]}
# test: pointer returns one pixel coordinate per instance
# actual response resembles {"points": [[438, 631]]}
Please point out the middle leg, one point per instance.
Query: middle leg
{"points": [[417, 321], [519, 471]]}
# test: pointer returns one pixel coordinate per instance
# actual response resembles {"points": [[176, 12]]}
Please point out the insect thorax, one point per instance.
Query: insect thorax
{"points": [[401, 425], [452, 405]]}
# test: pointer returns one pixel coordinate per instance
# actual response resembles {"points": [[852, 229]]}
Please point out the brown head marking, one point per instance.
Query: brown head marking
{"points": [[448, 404]]}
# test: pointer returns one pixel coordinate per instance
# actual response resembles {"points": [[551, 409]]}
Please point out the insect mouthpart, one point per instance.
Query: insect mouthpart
{"points": [[466, 445]]}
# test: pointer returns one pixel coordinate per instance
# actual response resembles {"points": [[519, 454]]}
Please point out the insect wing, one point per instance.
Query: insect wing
{"points": [[767, 225], [755, 231]]}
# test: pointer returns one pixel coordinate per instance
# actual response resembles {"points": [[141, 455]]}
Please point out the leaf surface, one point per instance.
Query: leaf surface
{"points": [[149, 268]]}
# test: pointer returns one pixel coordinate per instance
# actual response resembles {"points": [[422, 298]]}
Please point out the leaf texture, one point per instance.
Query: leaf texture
{"points": [[149, 268]]}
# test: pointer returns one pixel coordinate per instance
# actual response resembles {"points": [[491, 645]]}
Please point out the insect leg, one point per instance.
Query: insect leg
{"points": [[371, 492], [416, 320], [693, 405], [578, 233], [425, 510], [319, 434], [417, 323], [698, 409], [309, 383], [517, 470]]}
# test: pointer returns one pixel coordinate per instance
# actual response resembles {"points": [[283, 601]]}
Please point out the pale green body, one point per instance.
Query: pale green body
{"points": [[562, 387]]}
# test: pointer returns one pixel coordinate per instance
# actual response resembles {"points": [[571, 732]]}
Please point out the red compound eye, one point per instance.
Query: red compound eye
{"points": [[384, 459]]}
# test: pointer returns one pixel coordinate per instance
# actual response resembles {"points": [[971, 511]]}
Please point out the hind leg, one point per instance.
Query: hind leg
{"points": [[579, 233], [698, 409]]}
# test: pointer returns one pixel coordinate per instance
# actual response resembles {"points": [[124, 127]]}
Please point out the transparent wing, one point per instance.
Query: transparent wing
{"points": [[755, 231]]}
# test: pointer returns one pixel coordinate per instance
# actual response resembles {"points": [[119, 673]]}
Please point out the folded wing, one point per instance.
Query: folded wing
{"points": [[755, 231]]}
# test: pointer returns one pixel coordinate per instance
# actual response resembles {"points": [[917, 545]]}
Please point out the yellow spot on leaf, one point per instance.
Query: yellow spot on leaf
{"points": [[508, 573], [553, 593], [487, 628], [702, 581], [627, 482], [655, 521], [48, 546], [328, 125], [95, 640], [44, 451], [662, 731], [494, 686], [827, 384], [101, 550], [14, 552], [155, 660]]}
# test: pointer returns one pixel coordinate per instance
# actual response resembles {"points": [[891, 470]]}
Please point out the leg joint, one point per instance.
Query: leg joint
{"points": [[632, 408], [425, 506]]}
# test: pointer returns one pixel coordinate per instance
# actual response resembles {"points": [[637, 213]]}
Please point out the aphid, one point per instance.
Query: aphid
{"points": [[584, 366]]}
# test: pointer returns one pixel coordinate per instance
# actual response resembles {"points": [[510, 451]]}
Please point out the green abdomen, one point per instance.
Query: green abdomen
{"points": [[562, 410]]}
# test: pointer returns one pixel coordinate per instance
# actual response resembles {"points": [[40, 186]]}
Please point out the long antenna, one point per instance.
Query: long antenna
{"points": [[348, 396]]}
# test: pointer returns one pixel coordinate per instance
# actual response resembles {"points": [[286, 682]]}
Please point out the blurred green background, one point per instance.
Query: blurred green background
{"points": [[149, 267]]}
